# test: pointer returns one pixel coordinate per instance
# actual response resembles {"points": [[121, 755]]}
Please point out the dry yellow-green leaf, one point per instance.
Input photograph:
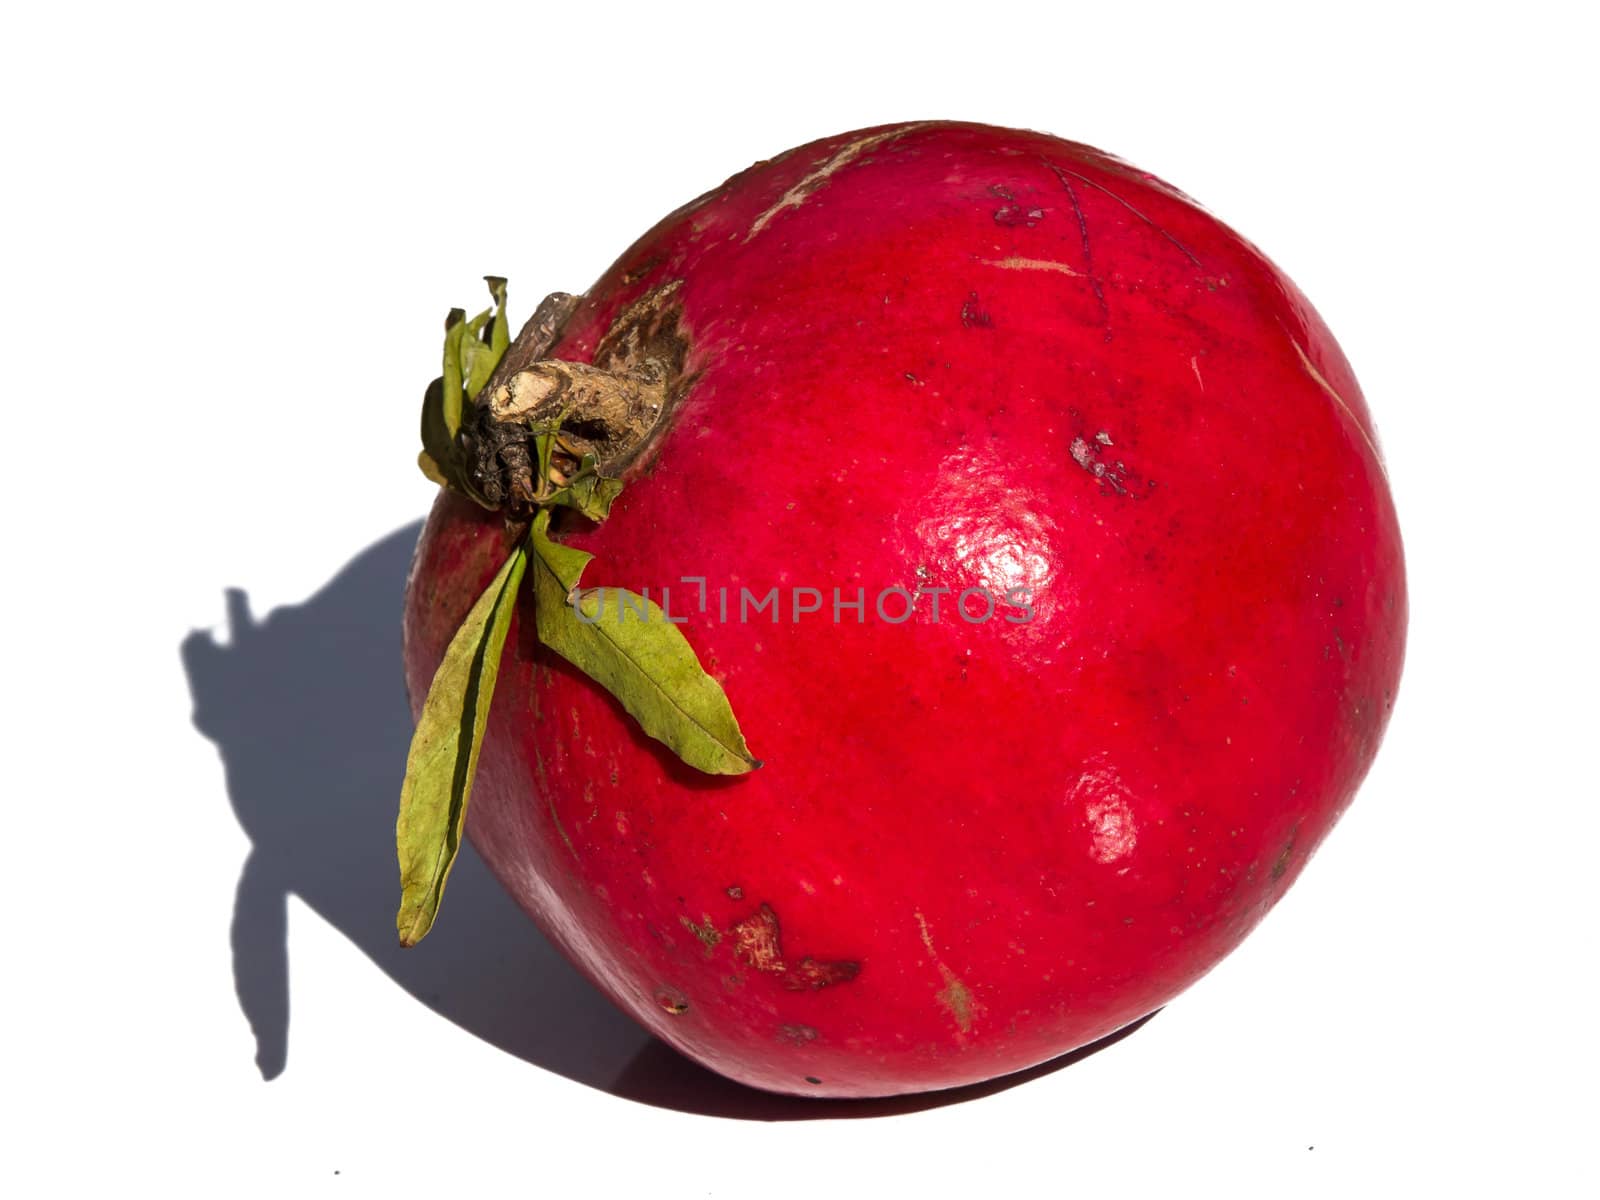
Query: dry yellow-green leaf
{"points": [[444, 752]]}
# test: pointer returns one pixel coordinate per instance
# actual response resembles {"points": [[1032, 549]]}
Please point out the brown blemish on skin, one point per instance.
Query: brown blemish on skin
{"points": [[958, 1000], [819, 176], [955, 996], [797, 1035], [758, 942], [735, 892], [705, 932], [1016, 263]]}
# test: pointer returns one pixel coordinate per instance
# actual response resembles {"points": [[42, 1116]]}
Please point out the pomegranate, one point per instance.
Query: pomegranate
{"points": [[1031, 527]]}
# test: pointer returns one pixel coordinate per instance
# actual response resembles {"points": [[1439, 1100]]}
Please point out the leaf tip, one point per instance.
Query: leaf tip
{"points": [[411, 926], [431, 469]]}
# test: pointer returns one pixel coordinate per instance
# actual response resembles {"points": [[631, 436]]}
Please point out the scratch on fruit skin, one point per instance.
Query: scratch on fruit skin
{"points": [[1328, 389], [1083, 236], [560, 828], [1101, 188], [1016, 263], [800, 192], [955, 996]]}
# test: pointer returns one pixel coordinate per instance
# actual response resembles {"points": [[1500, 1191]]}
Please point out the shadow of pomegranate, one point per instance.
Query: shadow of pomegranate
{"points": [[308, 709]]}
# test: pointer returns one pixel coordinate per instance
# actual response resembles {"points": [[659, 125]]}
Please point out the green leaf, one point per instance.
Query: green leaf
{"points": [[591, 494], [500, 331], [470, 358], [451, 398], [430, 467], [544, 442], [625, 643], [438, 443], [444, 752], [587, 491], [480, 356]]}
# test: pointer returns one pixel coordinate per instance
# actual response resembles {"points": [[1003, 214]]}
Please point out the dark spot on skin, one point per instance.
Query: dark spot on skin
{"points": [[672, 1001], [973, 314], [736, 893], [810, 974], [1113, 476], [1282, 863], [812, 1079], [1344, 651], [639, 270]]}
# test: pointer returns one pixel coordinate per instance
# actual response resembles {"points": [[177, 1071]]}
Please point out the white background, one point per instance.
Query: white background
{"points": [[231, 233]]}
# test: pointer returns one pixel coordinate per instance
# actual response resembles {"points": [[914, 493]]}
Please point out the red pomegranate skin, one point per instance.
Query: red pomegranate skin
{"points": [[950, 355]]}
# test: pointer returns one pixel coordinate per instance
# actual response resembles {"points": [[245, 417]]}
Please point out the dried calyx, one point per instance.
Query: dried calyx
{"points": [[536, 427]]}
